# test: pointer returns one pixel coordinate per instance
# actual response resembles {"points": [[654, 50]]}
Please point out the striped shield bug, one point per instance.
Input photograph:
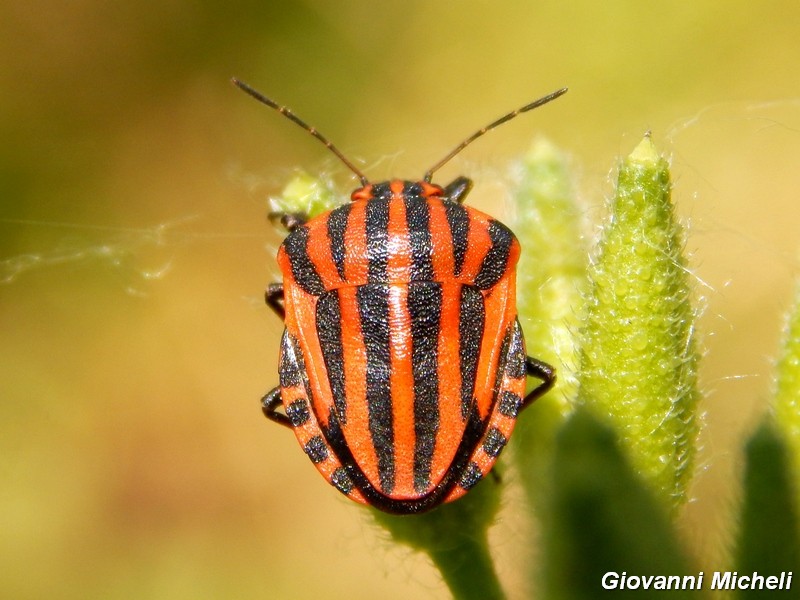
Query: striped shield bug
{"points": [[402, 363]]}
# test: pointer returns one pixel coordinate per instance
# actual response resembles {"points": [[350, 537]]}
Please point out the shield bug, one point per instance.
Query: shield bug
{"points": [[402, 363]]}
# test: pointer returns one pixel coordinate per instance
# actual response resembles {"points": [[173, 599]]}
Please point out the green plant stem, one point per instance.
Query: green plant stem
{"points": [[467, 570], [603, 519], [768, 540], [455, 536]]}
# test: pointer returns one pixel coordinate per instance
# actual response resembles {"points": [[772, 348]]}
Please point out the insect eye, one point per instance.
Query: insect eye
{"points": [[364, 193], [431, 190]]}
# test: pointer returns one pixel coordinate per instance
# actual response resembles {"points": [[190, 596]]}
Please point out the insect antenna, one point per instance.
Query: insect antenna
{"points": [[295, 119], [488, 128]]}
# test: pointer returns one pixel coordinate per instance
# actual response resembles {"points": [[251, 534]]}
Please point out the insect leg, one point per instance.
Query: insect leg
{"points": [[269, 406], [457, 190], [274, 299], [289, 221], [542, 371]]}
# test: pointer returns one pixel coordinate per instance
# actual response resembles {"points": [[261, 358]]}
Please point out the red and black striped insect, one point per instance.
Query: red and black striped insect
{"points": [[402, 365]]}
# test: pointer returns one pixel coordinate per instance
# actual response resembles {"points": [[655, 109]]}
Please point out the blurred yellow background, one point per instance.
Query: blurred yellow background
{"points": [[135, 248]]}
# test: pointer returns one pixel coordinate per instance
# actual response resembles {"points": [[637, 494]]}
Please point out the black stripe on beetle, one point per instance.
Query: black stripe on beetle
{"points": [[382, 191], [495, 262], [515, 364], [291, 367], [377, 230], [373, 309], [458, 219], [509, 404], [303, 269], [472, 318], [298, 413], [317, 449], [425, 309], [341, 480], [337, 228], [494, 442], [419, 233], [471, 476], [329, 330]]}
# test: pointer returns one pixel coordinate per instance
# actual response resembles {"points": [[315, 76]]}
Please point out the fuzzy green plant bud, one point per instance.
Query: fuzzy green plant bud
{"points": [[306, 195], [550, 277], [787, 391], [552, 268], [638, 355]]}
